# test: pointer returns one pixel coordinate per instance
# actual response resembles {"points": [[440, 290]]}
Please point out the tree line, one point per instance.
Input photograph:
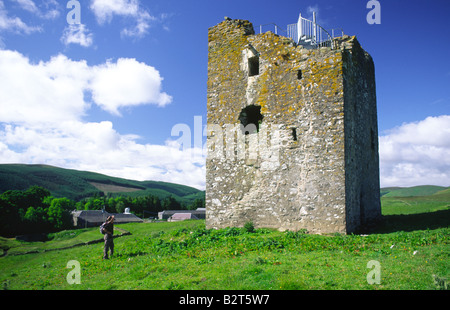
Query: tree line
{"points": [[35, 210], [142, 206]]}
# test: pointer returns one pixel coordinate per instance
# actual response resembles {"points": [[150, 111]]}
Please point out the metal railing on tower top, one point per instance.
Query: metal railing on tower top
{"points": [[307, 33]]}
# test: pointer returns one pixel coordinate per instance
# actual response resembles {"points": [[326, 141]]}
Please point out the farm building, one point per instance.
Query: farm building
{"points": [[182, 217], [92, 218], [199, 213]]}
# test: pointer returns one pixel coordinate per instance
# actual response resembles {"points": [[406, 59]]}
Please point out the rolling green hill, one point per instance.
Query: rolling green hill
{"points": [[75, 185], [443, 193], [415, 200], [424, 190]]}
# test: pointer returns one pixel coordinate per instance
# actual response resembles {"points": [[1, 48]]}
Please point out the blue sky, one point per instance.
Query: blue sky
{"points": [[65, 89]]}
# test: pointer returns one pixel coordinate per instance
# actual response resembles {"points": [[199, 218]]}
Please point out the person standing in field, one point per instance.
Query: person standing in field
{"points": [[108, 228]]}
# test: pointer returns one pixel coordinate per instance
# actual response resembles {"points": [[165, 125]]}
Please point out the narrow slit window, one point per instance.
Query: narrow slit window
{"points": [[294, 134], [253, 66], [299, 74]]}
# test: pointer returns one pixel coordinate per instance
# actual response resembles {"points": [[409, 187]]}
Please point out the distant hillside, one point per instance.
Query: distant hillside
{"points": [[416, 200], [443, 193], [416, 191], [76, 185]]}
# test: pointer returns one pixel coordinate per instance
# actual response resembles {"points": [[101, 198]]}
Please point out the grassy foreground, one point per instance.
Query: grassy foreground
{"points": [[411, 247], [185, 255]]}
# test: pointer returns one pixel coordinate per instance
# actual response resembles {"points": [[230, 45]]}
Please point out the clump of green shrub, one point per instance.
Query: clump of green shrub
{"points": [[249, 227]]}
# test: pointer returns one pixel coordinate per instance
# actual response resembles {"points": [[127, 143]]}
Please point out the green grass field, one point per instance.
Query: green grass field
{"points": [[411, 246]]}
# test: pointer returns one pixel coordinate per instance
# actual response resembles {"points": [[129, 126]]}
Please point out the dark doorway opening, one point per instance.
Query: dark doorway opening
{"points": [[250, 118]]}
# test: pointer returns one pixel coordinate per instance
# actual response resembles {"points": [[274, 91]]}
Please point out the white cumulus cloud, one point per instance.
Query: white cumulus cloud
{"points": [[416, 153], [14, 24], [142, 85], [45, 92], [105, 10], [77, 34], [47, 9], [55, 90]]}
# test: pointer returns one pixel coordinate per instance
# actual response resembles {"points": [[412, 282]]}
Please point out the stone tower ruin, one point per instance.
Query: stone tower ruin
{"points": [[292, 133]]}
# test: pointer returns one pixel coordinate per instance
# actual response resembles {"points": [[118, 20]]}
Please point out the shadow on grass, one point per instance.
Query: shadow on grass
{"points": [[411, 222]]}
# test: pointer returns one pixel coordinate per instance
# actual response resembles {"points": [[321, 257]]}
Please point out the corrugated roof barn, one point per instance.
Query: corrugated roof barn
{"points": [[181, 217], [200, 213], [92, 218]]}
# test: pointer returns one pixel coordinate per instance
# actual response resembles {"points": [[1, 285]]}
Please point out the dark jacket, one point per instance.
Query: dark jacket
{"points": [[109, 227]]}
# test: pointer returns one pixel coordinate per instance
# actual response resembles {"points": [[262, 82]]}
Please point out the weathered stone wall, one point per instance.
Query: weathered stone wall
{"points": [[361, 134], [305, 167]]}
